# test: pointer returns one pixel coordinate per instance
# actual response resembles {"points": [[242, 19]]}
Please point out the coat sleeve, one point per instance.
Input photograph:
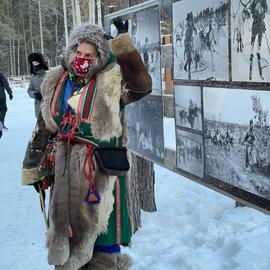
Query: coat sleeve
{"points": [[31, 91], [5, 83], [136, 78], [34, 151]]}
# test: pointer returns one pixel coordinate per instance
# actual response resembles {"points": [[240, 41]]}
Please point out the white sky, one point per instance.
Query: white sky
{"points": [[184, 93], [233, 105]]}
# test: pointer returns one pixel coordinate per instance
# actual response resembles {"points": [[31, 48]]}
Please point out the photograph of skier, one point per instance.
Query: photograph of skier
{"points": [[188, 111], [145, 31], [250, 40], [237, 138], [145, 128], [200, 40], [189, 152]]}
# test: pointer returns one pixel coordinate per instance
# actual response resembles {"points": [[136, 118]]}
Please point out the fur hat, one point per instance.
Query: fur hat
{"points": [[37, 56], [93, 34]]}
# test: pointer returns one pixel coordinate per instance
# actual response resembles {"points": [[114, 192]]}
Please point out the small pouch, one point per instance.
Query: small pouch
{"points": [[112, 160]]}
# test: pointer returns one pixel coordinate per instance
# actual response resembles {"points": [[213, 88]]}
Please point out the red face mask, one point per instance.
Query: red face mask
{"points": [[82, 65]]}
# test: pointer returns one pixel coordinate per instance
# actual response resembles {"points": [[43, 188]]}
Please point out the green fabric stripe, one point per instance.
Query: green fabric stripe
{"points": [[111, 59], [91, 139], [92, 100], [109, 238], [86, 99], [57, 118]]}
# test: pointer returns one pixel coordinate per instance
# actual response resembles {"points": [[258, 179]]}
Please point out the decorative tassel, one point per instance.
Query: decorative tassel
{"points": [[92, 197]]}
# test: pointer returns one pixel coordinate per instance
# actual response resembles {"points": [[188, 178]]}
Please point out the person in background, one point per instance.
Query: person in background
{"points": [[83, 103], [38, 66], [1, 128], [249, 141], [4, 86]]}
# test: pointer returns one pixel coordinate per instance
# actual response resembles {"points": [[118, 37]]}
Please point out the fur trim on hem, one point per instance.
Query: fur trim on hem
{"points": [[122, 45], [124, 261], [104, 261], [29, 176]]}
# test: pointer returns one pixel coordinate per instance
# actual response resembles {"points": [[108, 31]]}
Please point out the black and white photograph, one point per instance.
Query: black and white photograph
{"points": [[237, 138], [200, 40], [188, 109], [144, 28], [250, 40], [189, 152], [145, 128]]}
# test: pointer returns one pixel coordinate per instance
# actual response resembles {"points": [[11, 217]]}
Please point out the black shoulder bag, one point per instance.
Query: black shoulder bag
{"points": [[112, 160]]}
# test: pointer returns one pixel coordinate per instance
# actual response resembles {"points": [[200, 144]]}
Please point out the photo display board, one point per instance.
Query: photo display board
{"points": [[221, 73], [189, 129], [145, 128], [144, 28], [145, 117], [250, 40], [237, 138], [200, 40], [223, 139]]}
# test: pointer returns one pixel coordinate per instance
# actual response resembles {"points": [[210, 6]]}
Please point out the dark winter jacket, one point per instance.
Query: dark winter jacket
{"points": [[4, 86], [34, 87]]}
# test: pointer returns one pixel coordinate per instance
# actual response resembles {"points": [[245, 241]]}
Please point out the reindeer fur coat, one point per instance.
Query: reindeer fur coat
{"points": [[117, 84]]}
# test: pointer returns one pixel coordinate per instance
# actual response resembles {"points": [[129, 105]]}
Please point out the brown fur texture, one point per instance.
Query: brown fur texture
{"points": [[122, 45], [34, 152], [58, 242], [143, 86], [105, 261], [68, 208]]}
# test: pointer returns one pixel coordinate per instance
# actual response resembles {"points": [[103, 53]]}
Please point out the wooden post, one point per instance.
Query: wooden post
{"points": [[146, 184], [167, 39], [142, 187], [135, 196]]}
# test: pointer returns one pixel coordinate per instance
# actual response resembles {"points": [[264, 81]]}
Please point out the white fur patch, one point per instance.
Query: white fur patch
{"points": [[106, 206], [106, 122]]}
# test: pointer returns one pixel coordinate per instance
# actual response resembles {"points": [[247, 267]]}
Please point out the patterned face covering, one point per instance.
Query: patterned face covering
{"points": [[81, 65]]}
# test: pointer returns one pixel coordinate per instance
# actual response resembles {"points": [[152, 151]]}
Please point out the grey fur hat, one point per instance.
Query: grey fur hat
{"points": [[93, 34]]}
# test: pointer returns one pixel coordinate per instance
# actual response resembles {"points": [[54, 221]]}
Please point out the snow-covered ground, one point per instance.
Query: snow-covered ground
{"points": [[194, 228]]}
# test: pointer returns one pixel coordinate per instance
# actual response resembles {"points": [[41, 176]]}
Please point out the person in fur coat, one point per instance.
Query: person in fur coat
{"points": [[83, 107]]}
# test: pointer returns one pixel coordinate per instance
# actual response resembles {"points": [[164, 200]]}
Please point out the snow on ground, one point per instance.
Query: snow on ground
{"points": [[169, 133], [194, 228]]}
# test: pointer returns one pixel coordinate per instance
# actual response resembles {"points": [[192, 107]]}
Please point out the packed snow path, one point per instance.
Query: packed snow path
{"points": [[194, 228]]}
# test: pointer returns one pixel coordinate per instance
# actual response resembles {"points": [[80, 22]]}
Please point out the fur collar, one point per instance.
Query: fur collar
{"points": [[105, 122]]}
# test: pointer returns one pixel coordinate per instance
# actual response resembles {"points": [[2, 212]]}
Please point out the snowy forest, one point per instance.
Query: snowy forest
{"points": [[35, 25]]}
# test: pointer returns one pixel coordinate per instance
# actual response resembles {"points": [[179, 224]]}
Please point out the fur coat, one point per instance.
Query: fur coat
{"points": [[117, 84]]}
